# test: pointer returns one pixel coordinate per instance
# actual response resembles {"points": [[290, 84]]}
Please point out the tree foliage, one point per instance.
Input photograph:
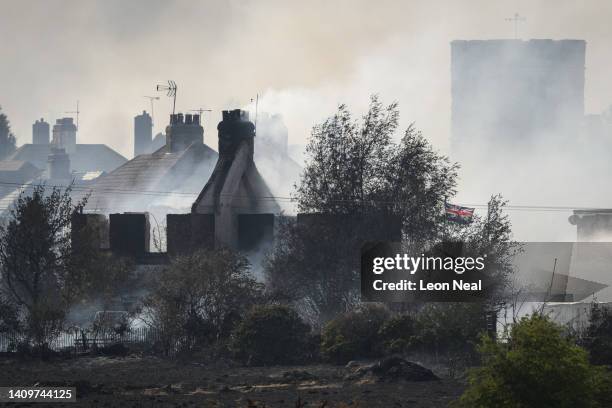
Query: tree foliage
{"points": [[356, 172], [490, 235], [314, 268], [597, 338], [271, 334], [354, 334], [450, 329], [7, 138], [200, 297], [357, 168], [41, 272], [537, 367]]}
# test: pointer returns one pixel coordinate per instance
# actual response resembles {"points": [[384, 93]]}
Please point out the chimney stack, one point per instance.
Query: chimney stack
{"points": [[143, 133], [58, 164], [233, 129], [40, 132], [64, 134], [183, 131]]}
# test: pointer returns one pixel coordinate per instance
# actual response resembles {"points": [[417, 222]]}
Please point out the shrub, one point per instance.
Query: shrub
{"points": [[598, 336], [399, 334], [537, 367], [9, 316], [271, 334], [451, 329], [354, 334], [199, 299]]}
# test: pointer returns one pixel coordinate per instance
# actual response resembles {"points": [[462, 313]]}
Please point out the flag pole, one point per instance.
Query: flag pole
{"points": [[445, 221], [489, 220]]}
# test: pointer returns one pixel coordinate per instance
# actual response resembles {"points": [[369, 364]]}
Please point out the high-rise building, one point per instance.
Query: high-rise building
{"points": [[40, 132], [143, 133], [508, 92]]}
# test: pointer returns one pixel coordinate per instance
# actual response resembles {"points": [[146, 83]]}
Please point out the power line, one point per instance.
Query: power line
{"points": [[532, 208]]}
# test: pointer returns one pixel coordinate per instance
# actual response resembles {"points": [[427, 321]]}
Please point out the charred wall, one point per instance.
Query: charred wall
{"points": [[255, 231], [93, 227], [129, 234], [189, 232], [363, 228]]}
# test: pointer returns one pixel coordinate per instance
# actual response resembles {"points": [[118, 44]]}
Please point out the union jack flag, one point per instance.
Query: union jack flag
{"points": [[458, 214]]}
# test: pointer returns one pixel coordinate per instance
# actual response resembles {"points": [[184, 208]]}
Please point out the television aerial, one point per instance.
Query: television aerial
{"points": [[171, 92]]}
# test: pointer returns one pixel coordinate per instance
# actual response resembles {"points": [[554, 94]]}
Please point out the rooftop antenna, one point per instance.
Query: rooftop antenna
{"points": [[77, 114], [152, 98], [171, 88], [516, 19], [200, 110], [256, 107]]}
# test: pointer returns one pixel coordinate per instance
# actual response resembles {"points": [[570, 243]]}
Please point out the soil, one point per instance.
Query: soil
{"points": [[134, 381]]}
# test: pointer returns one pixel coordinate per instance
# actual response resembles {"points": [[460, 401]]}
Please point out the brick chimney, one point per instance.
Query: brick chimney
{"points": [[64, 134], [58, 164], [233, 129], [233, 194], [40, 132], [183, 131]]}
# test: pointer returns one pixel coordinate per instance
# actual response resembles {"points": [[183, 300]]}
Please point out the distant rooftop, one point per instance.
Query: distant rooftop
{"points": [[87, 157], [150, 179]]}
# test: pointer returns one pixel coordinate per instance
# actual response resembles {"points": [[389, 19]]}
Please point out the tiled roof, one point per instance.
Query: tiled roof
{"points": [[10, 193], [13, 165], [151, 179], [87, 157]]}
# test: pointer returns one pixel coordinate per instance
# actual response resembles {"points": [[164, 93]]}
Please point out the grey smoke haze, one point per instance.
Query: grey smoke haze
{"points": [[303, 58]]}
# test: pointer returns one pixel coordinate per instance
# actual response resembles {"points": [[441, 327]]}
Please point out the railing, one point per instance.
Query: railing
{"points": [[84, 340]]}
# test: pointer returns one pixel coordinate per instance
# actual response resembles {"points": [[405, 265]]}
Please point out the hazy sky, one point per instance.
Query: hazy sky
{"points": [[302, 57]]}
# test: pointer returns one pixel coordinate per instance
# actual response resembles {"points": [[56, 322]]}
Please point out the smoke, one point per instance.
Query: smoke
{"points": [[302, 59]]}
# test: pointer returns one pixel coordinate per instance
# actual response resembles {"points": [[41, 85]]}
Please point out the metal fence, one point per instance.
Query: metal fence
{"points": [[80, 340]]}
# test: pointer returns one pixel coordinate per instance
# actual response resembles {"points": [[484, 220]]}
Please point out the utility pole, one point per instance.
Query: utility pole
{"points": [[516, 19], [152, 98], [77, 114]]}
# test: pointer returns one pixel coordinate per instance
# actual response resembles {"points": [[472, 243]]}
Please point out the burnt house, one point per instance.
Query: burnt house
{"points": [[236, 194]]}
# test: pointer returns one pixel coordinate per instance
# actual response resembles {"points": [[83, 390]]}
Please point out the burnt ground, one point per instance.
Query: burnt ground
{"points": [[149, 381]]}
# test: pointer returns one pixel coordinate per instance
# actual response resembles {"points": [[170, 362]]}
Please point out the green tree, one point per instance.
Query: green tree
{"points": [[491, 235], [355, 334], [41, 273], [7, 139], [356, 172], [271, 334], [200, 297], [597, 338], [537, 367], [356, 168], [450, 330], [312, 267]]}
